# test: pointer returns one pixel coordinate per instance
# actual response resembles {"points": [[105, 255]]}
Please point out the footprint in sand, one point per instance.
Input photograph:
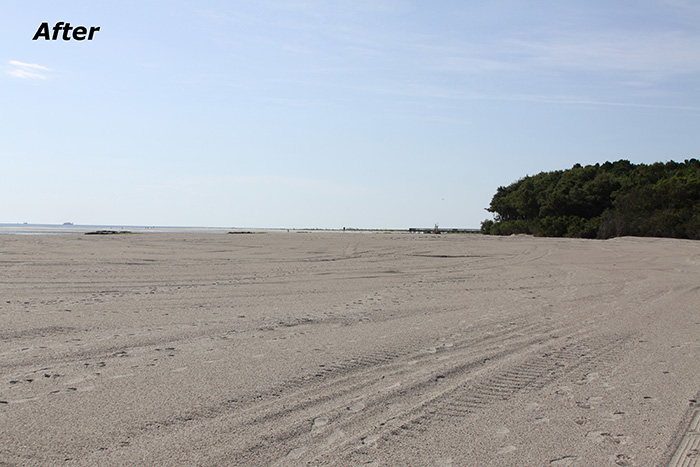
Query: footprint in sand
{"points": [[356, 407], [614, 416], [319, 423], [296, 453], [390, 387], [596, 436], [590, 377], [506, 449], [565, 461], [623, 459], [595, 400], [370, 440], [602, 437], [336, 436]]}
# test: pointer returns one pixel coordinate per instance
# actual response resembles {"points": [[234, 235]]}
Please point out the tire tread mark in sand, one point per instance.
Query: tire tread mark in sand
{"points": [[342, 389], [532, 374], [296, 400], [287, 411], [341, 419], [687, 454], [336, 374], [273, 445], [340, 372], [339, 377], [48, 331]]}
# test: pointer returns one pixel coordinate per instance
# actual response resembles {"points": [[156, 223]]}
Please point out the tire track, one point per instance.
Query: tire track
{"points": [[475, 391], [687, 453], [534, 373], [310, 422], [347, 375], [337, 402]]}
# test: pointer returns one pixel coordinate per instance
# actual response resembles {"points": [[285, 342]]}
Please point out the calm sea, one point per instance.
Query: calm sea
{"points": [[58, 229]]}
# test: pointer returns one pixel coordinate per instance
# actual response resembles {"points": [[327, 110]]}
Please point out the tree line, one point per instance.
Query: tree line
{"points": [[607, 200]]}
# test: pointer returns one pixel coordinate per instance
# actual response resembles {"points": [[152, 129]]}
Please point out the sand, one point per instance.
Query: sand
{"points": [[348, 349]]}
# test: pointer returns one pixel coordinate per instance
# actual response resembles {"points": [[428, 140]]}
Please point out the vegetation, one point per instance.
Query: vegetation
{"points": [[602, 201], [108, 232]]}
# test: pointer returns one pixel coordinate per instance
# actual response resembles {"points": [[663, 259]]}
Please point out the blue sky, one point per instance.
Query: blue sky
{"points": [[387, 114]]}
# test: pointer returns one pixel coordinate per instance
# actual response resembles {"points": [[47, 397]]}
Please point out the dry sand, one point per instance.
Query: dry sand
{"points": [[348, 349]]}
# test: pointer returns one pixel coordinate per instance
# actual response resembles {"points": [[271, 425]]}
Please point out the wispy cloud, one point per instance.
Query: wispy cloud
{"points": [[655, 55], [319, 55], [27, 70], [594, 102]]}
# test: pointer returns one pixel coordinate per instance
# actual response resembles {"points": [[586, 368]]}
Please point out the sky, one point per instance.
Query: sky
{"points": [[331, 114]]}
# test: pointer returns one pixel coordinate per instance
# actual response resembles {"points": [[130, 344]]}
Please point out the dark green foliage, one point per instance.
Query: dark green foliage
{"points": [[602, 201]]}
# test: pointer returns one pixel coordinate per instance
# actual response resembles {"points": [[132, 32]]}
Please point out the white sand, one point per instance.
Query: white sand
{"points": [[348, 349]]}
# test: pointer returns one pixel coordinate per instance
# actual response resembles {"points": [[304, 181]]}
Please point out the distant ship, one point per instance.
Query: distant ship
{"points": [[67, 223]]}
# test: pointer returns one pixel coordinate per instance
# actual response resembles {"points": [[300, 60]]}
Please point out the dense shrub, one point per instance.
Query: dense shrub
{"points": [[602, 201]]}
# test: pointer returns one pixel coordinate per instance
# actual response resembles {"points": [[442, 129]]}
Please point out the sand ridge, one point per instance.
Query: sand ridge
{"points": [[348, 349]]}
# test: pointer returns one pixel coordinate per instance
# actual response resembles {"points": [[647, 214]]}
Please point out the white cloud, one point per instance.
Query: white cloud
{"points": [[654, 55], [27, 70]]}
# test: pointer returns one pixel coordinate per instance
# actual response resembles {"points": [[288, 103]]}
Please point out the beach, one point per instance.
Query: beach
{"points": [[348, 348]]}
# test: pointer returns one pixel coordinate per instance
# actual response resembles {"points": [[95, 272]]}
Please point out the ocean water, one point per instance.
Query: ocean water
{"points": [[59, 229]]}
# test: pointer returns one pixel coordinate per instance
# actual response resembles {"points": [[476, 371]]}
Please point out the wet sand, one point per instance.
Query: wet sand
{"points": [[348, 349]]}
